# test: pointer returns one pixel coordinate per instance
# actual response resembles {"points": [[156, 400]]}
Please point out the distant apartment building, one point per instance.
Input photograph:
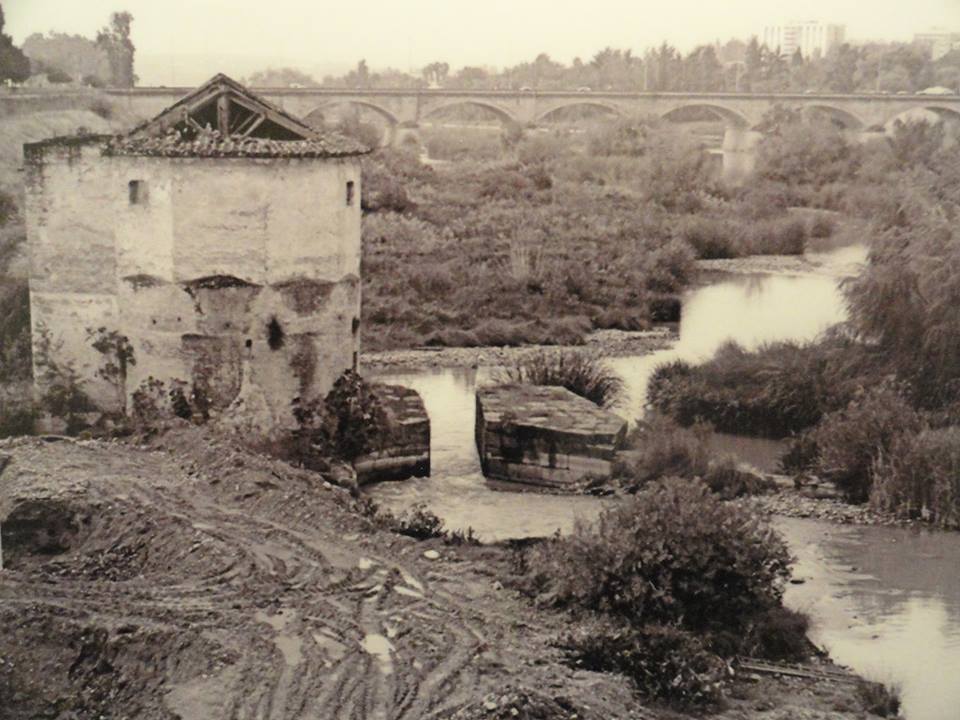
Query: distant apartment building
{"points": [[938, 42], [811, 38]]}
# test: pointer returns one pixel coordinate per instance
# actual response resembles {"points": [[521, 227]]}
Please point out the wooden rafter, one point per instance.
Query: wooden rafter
{"points": [[233, 102]]}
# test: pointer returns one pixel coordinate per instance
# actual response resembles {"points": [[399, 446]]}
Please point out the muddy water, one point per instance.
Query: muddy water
{"points": [[884, 601]]}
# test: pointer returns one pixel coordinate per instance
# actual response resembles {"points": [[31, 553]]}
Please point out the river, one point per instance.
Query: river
{"points": [[884, 601]]}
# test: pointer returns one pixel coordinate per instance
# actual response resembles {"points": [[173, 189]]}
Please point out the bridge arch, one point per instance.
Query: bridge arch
{"points": [[391, 119], [944, 113], [847, 119], [729, 116], [504, 115], [598, 104]]}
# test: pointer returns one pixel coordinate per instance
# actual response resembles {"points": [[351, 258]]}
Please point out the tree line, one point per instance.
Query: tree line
{"points": [[736, 66]]}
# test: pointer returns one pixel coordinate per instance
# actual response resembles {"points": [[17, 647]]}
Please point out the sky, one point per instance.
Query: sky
{"points": [[183, 42]]}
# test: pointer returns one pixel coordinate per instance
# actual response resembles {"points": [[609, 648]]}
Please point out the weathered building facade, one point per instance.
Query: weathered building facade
{"points": [[221, 239]]}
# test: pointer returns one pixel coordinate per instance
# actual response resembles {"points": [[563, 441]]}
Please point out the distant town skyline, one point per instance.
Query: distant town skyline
{"points": [[184, 43]]}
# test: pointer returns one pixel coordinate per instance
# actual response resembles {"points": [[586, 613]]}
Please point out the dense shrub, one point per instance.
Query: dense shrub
{"points": [[850, 441], [879, 699], [781, 236], [660, 449], [462, 143], [578, 372], [671, 554], [711, 238], [781, 389], [778, 634], [920, 476], [822, 227], [664, 662], [346, 424]]}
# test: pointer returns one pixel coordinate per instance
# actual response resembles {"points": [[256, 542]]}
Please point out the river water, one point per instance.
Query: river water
{"points": [[884, 601]]}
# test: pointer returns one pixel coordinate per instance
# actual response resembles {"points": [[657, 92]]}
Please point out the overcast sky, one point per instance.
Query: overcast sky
{"points": [[186, 41]]}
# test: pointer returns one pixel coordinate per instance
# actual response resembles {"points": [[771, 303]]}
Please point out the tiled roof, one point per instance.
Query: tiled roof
{"points": [[211, 144]]}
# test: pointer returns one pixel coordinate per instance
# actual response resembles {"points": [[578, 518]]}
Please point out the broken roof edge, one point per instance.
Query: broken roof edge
{"points": [[206, 89], [159, 137], [324, 145]]}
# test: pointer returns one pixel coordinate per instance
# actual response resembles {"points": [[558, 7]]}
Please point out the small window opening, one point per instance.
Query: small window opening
{"points": [[138, 192], [355, 325], [349, 193], [249, 343], [356, 360], [274, 334]]}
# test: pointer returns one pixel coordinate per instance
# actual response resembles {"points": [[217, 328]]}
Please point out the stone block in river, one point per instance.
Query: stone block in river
{"points": [[545, 436], [403, 450]]}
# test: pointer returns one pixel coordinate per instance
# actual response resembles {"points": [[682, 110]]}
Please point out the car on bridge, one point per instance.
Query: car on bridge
{"points": [[936, 90]]}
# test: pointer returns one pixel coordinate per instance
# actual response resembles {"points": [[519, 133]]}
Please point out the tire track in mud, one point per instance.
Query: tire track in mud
{"points": [[317, 628]]}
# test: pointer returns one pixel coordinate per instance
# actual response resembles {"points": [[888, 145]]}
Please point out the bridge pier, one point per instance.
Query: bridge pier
{"points": [[739, 153]]}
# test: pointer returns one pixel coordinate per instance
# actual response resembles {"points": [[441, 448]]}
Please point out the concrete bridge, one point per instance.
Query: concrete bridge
{"points": [[408, 108]]}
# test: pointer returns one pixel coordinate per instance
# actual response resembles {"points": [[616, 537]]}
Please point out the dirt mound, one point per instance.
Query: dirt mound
{"points": [[59, 664]]}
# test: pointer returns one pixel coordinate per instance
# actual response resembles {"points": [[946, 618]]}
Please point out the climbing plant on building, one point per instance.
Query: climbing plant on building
{"points": [[118, 356]]}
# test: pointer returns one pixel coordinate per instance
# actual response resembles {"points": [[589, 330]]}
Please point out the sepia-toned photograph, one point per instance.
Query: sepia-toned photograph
{"points": [[479, 360]]}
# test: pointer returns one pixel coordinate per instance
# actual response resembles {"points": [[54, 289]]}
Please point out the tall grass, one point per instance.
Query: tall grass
{"points": [[576, 371]]}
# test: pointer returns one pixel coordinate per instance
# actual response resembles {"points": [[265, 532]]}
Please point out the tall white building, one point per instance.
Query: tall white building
{"points": [[812, 38]]}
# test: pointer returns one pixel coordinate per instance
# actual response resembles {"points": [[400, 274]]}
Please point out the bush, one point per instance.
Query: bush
{"points": [[660, 449], [850, 441], [920, 477], [781, 389], [781, 236], [778, 634], [822, 227], [879, 699], [345, 425], [419, 523], [578, 372], [672, 554], [711, 238], [664, 662]]}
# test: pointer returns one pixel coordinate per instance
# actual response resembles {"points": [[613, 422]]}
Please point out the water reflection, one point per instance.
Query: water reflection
{"points": [[886, 601]]}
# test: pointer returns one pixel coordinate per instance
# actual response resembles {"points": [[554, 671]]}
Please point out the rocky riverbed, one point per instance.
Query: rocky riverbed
{"points": [[606, 343]]}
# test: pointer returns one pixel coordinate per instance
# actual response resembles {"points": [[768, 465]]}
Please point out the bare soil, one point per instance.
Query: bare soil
{"points": [[191, 578]]}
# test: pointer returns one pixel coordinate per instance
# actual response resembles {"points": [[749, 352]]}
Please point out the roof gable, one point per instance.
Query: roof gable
{"points": [[224, 105]]}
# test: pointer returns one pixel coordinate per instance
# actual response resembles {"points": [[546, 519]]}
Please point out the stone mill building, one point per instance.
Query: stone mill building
{"points": [[221, 238]]}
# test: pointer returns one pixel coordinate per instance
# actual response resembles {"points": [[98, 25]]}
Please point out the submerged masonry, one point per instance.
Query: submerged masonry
{"points": [[221, 238]]}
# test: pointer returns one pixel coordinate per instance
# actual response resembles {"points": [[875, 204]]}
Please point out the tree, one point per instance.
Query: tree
{"points": [[14, 65], [75, 55], [281, 77], [753, 63], [436, 73], [115, 40]]}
